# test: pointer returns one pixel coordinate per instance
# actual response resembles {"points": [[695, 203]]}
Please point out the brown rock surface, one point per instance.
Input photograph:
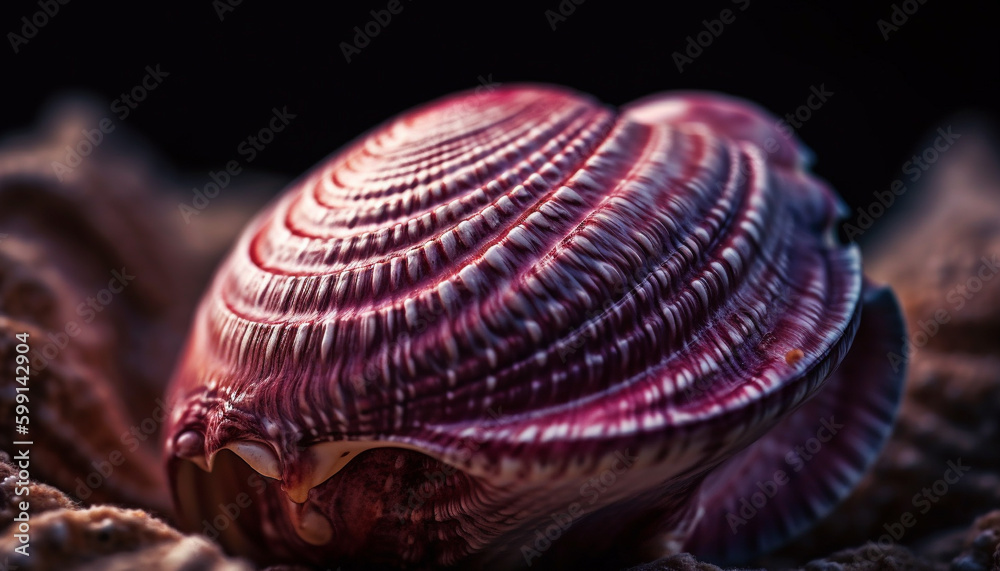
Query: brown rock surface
{"points": [[100, 269], [680, 562], [868, 558], [981, 548], [110, 538], [63, 536], [60, 241], [42, 497], [942, 257]]}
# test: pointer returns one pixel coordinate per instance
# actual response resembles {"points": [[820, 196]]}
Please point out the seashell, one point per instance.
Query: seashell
{"points": [[523, 328], [940, 255]]}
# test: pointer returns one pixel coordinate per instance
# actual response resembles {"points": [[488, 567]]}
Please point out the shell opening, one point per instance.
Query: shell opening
{"points": [[320, 462], [216, 503]]}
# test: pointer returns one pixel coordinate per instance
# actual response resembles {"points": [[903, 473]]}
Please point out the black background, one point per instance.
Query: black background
{"points": [[225, 76]]}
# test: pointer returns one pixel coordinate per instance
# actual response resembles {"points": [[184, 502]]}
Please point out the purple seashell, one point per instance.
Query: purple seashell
{"points": [[520, 327]]}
